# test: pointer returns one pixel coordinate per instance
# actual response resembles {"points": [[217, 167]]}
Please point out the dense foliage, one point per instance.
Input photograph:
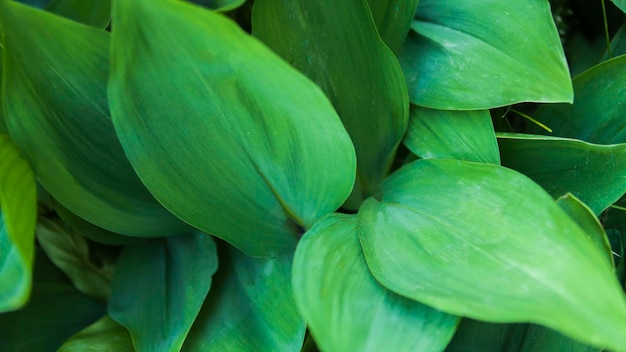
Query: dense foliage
{"points": [[273, 175]]}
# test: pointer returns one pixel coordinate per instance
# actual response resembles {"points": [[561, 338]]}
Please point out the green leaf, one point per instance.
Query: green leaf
{"points": [[56, 111], [621, 4], [596, 116], [223, 132], [104, 335], [594, 173], [167, 279], [220, 5], [96, 13], [250, 307], [541, 339], [18, 210], [346, 308], [470, 55], [618, 44], [479, 336], [449, 134], [335, 43], [437, 236], [393, 19]]}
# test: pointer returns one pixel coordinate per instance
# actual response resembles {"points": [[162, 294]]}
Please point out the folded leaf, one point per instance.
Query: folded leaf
{"points": [[56, 111], [470, 55], [393, 19], [485, 242], [18, 213], [225, 134], [346, 308], [104, 335]]}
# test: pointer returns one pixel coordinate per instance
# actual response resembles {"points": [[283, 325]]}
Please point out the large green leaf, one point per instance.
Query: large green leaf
{"points": [[594, 173], [346, 308], [448, 134], [482, 54], [250, 307], [222, 131], [158, 289], [621, 4], [393, 19], [95, 13], [597, 115], [541, 339], [483, 241], [18, 212], [335, 43], [105, 335], [220, 5], [54, 97]]}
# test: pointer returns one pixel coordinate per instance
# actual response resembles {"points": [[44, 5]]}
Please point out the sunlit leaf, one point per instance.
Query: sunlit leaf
{"points": [[393, 19], [105, 335], [95, 13], [346, 308], [436, 234]]}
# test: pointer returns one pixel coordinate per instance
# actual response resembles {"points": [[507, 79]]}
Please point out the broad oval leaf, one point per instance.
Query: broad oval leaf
{"points": [[470, 55], [594, 173], [250, 307], [56, 111], [449, 134], [18, 213], [335, 43], [105, 335], [346, 308], [164, 278], [485, 242], [393, 19], [223, 132]]}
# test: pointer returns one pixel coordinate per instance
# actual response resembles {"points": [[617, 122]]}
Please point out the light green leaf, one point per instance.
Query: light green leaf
{"points": [[250, 307], [594, 173], [449, 134], [393, 19], [105, 335], [597, 115], [158, 289], [223, 132], [56, 111], [436, 235], [470, 55], [335, 43], [96, 13], [346, 308], [18, 213], [621, 4]]}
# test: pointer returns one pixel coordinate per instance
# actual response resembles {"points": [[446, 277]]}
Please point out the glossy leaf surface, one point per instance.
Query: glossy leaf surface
{"points": [[346, 308], [471, 55], [367, 90], [104, 335], [177, 273], [393, 19], [96, 13], [18, 213], [436, 236], [250, 307], [230, 138], [594, 173], [56, 111], [449, 134], [621, 4]]}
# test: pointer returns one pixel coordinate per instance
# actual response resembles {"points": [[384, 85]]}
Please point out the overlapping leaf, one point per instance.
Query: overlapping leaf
{"points": [[167, 279], [486, 242], [250, 307], [621, 4], [469, 55], [105, 335], [335, 43], [346, 308], [18, 212], [95, 13], [393, 19], [54, 97]]}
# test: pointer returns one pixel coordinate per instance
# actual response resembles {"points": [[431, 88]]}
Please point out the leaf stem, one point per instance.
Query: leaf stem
{"points": [[606, 30], [527, 117]]}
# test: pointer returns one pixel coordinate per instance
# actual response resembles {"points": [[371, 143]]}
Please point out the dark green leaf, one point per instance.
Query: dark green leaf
{"points": [[335, 43], [594, 173], [95, 13], [471, 55], [541, 339], [159, 287], [621, 4], [618, 44], [220, 5], [250, 307], [393, 19], [436, 235], [18, 213], [479, 336], [54, 99], [449, 134], [222, 131], [346, 308], [105, 335]]}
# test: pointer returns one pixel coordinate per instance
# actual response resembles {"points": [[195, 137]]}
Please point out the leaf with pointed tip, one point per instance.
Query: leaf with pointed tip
{"points": [[393, 19], [346, 308], [471, 55], [449, 134], [176, 273], [436, 236], [335, 43], [250, 307], [96, 13], [56, 111], [104, 335], [225, 134], [18, 213]]}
